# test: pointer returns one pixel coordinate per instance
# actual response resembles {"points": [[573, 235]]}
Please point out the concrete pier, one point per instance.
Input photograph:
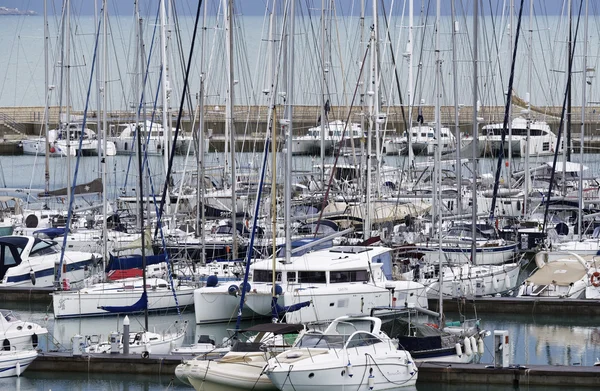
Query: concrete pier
{"points": [[250, 122], [514, 376]]}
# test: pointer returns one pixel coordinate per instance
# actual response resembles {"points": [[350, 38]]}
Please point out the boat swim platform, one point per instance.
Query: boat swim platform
{"points": [[520, 305], [164, 365]]}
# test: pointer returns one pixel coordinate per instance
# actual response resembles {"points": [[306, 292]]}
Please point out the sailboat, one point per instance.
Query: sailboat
{"points": [[467, 262]]}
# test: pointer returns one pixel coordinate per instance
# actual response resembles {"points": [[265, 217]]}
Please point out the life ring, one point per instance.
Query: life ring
{"points": [[435, 326], [595, 279]]}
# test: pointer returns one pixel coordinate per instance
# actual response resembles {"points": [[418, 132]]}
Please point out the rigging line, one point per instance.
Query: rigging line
{"points": [[397, 78], [556, 150], [179, 115], [181, 52], [71, 200], [142, 97], [506, 115], [337, 154]]}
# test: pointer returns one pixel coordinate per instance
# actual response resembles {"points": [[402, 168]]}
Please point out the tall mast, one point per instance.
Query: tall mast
{"points": [[528, 97], [66, 65], [456, 123], [324, 123], [230, 103], [372, 101], [438, 155], [290, 110], [200, 214], [46, 101], [510, 43], [583, 101], [410, 93], [98, 88], [475, 130], [104, 164], [166, 95]]}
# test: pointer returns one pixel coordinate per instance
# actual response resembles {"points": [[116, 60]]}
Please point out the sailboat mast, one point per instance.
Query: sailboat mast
{"points": [[456, 123], [410, 93], [438, 156], [98, 88], [475, 132], [324, 123], [103, 162], [141, 212], [67, 70], [46, 101], [166, 95], [290, 109], [200, 214], [583, 101], [529, 69], [230, 103]]}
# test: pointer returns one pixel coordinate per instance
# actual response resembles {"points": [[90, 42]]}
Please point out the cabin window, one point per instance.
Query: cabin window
{"points": [[423, 134], [291, 276], [312, 277], [348, 276], [265, 276], [545, 146], [7, 256]]}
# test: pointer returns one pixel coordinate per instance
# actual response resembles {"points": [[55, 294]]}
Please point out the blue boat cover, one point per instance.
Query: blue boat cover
{"points": [[277, 310], [51, 233], [139, 305], [132, 261]]}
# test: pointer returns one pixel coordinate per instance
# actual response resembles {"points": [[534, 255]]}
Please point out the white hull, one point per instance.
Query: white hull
{"points": [[460, 254], [214, 305], [14, 362], [474, 281], [387, 373], [86, 302], [330, 302]]}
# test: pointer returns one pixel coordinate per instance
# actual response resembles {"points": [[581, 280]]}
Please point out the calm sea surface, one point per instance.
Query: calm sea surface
{"points": [[535, 340]]}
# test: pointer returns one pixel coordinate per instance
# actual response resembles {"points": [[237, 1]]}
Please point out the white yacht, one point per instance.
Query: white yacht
{"points": [[335, 281], [153, 136], [27, 261], [58, 146], [563, 275], [422, 140], [242, 368], [541, 142], [351, 354], [20, 340], [310, 144]]}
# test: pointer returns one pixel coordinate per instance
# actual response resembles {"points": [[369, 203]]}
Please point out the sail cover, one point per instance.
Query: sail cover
{"points": [[277, 310], [94, 186], [139, 305], [132, 261]]}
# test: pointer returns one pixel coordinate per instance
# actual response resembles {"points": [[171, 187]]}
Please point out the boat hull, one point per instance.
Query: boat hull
{"points": [[14, 362], [71, 304]]}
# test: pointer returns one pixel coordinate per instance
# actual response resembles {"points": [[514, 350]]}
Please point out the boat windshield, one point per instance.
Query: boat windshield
{"points": [[322, 341], [43, 247]]}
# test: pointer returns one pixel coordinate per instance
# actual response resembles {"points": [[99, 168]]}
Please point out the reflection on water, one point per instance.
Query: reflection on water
{"points": [[535, 339]]}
